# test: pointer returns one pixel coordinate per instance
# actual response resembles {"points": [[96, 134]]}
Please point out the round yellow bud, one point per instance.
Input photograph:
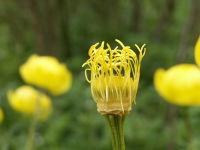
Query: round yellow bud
{"points": [[29, 101], [46, 72], [197, 52], [1, 115], [179, 85]]}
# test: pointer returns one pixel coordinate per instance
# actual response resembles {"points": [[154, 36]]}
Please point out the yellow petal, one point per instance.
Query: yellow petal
{"points": [[1, 115], [179, 85], [159, 82], [197, 52]]}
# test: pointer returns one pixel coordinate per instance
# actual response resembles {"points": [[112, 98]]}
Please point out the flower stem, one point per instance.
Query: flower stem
{"points": [[31, 134], [33, 125], [116, 124]]}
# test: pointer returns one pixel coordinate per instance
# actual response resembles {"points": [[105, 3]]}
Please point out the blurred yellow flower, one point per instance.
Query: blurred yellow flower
{"points": [[114, 77], [1, 115], [197, 52], [29, 101], [179, 85], [46, 72]]}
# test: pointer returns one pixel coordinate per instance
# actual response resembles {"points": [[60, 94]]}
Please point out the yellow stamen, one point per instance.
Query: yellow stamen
{"points": [[114, 76]]}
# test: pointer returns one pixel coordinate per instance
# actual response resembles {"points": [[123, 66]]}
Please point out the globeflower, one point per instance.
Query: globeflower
{"points": [[1, 115], [114, 76], [27, 100], [179, 84], [48, 73], [197, 52]]}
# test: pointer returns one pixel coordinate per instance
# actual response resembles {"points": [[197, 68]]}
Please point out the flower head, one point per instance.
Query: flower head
{"points": [[1, 115], [114, 76], [197, 52], [179, 85], [46, 72], [29, 101]]}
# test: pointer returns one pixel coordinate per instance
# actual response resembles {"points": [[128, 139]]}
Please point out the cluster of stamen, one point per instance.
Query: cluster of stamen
{"points": [[114, 76]]}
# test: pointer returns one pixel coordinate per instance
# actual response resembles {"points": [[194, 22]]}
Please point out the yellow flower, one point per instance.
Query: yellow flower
{"points": [[114, 77], [197, 52], [1, 115], [46, 72], [179, 85], [29, 101]]}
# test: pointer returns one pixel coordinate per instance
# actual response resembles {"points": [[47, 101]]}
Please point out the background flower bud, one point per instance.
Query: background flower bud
{"points": [[46, 72], [197, 52], [29, 101], [179, 85], [1, 115]]}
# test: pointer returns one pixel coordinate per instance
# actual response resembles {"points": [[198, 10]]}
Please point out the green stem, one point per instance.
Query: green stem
{"points": [[116, 124], [36, 116], [31, 134]]}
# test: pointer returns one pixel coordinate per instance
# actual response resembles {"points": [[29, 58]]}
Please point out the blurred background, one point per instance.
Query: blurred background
{"points": [[66, 29]]}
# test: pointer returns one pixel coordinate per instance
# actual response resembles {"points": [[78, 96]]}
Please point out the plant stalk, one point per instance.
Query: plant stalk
{"points": [[31, 134], [30, 143], [116, 124]]}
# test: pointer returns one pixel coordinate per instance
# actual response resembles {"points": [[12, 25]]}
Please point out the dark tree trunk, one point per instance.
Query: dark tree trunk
{"points": [[165, 19], [63, 8], [44, 26], [136, 15], [190, 31]]}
